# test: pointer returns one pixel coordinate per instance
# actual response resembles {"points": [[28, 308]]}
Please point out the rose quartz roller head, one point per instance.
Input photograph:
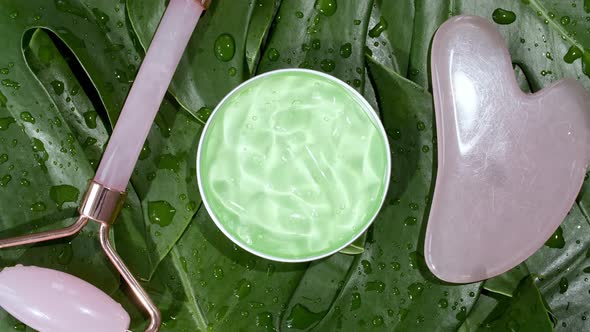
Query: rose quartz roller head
{"points": [[510, 164], [29, 293], [43, 297]]}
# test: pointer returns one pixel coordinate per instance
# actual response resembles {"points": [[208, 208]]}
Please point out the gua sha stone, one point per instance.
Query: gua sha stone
{"points": [[510, 164], [53, 301]]}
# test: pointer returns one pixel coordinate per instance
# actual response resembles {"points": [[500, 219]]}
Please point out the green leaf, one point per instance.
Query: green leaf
{"points": [[199, 279], [507, 283], [429, 15], [208, 282], [357, 247], [201, 79], [305, 37], [260, 23], [563, 273], [482, 309], [316, 292], [390, 34], [538, 40], [526, 311]]}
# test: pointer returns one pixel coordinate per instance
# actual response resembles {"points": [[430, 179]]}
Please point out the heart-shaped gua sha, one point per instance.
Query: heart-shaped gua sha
{"points": [[510, 164]]}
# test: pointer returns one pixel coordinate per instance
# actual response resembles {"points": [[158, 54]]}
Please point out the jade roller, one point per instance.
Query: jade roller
{"points": [[49, 300]]}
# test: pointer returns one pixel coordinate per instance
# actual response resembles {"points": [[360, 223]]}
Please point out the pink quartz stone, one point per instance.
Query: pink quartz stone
{"points": [[510, 164], [147, 93], [53, 301]]}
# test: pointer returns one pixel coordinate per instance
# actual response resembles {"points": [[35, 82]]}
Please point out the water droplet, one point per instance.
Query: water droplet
{"points": [[302, 319], [39, 148], [556, 240], [89, 141], [326, 7], [256, 305], [316, 44], [377, 321], [356, 22], [101, 16], [563, 285], [420, 126], [586, 269], [443, 303], [232, 71], [58, 87], [396, 266], [6, 122], [24, 182], [328, 65], [20, 327], [203, 114], [572, 54], [346, 50], [503, 16], [243, 289], [13, 15], [217, 272], [273, 54], [145, 151], [462, 314], [3, 158], [377, 286], [38, 207], [265, 320], [90, 119], [378, 28], [191, 206], [5, 180], [355, 302], [565, 20], [299, 14], [414, 259], [11, 84], [410, 221], [415, 290], [549, 56], [225, 47], [161, 213], [184, 264], [367, 269], [27, 117], [64, 194], [74, 91]]}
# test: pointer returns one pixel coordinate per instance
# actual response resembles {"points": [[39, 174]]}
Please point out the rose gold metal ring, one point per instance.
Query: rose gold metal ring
{"points": [[101, 203]]}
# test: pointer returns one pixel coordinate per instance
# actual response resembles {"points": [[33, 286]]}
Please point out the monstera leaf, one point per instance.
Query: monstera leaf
{"points": [[67, 65]]}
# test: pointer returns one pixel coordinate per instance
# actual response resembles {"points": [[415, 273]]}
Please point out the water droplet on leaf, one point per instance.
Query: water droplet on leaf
{"points": [[503, 16]]}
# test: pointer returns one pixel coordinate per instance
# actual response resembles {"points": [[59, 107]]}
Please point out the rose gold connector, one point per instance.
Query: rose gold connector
{"points": [[103, 205], [100, 204]]}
